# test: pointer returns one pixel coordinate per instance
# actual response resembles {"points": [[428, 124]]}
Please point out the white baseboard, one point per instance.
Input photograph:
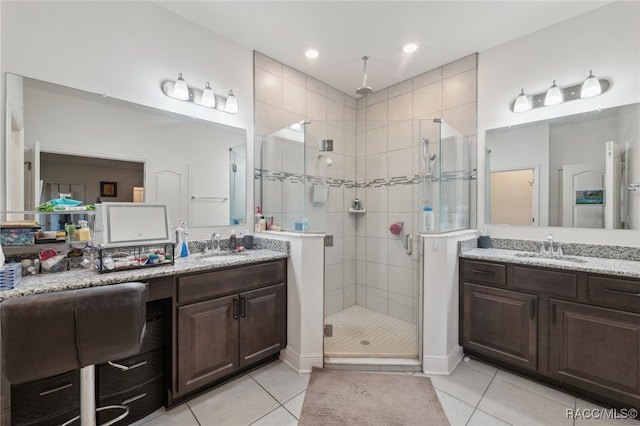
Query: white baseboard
{"points": [[442, 364], [301, 364]]}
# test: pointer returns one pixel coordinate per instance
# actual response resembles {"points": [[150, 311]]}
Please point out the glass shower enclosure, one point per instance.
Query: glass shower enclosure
{"points": [[446, 173], [307, 179]]}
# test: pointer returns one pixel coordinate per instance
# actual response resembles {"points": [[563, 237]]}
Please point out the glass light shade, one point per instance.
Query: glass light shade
{"points": [[208, 97], [591, 87], [180, 89], [232, 103], [522, 103], [553, 96]]}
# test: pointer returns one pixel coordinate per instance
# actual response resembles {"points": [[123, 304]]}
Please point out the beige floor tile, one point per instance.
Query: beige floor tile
{"points": [[589, 414], [278, 417], [179, 416], [480, 418], [535, 387], [239, 402], [280, 380], [457, 411], [479, 366], [522, 407], [464, 383], [294, 405]]}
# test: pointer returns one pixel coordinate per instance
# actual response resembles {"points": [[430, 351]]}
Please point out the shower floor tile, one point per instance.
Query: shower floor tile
{"points": [[361, 332]]}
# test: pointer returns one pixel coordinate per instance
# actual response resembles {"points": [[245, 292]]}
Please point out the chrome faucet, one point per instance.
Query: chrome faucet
{"points": [[550, 249], [215, 242]]}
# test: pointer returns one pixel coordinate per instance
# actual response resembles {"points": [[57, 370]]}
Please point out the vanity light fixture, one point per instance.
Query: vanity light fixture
{"points": [[206, 97], [180, 89], [590, 87], [522, 103], [553, 96], [231, 105]]}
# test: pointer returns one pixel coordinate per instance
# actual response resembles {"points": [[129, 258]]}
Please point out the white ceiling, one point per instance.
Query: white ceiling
{"points": [[344, 31]]}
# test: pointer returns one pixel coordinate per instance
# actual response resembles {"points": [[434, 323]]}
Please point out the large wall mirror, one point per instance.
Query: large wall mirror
{"points": [[99, 148], [578, 171]]}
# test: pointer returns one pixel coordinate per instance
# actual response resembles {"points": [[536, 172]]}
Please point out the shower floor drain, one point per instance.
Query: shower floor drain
{"points": [[364, 342]]}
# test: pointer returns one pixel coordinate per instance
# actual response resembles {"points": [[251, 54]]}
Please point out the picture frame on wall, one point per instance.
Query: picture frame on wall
{"points": [[108, 189]]}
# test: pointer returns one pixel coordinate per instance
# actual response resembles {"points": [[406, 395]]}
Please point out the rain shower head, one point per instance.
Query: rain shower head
{"points": [[364, 89]]}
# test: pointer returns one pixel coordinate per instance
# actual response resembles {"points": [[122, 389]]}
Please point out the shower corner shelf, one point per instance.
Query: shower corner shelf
{"points": [[357, 211]]}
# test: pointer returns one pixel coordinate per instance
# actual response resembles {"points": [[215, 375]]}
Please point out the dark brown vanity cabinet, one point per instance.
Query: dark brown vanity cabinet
{"points": [[501, 323], [228, 320], [575, 330], [596, 348]]}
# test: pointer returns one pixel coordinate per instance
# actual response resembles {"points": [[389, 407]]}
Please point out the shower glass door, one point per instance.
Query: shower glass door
{"points": [[372, 313]]}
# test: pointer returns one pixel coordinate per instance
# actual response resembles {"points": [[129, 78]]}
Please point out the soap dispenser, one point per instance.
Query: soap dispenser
{"points": [[182, 247]]}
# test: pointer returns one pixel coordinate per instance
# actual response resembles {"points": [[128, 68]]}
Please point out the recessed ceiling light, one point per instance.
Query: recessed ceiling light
{"points": [[311, 53], [410, 47]]}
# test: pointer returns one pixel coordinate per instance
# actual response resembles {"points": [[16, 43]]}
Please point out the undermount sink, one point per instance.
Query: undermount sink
{"points": [[216, 256], [551, 256]]}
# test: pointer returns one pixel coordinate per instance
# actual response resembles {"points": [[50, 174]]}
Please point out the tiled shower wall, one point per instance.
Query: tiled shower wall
{"points": [[284, 96], [376, 139]]}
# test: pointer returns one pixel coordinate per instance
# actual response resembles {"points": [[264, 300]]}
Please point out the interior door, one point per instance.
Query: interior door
{"points": [[169, 184], [32, 182], [582, 196]]}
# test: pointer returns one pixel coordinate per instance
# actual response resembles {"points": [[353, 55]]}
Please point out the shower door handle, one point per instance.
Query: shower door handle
{"points": [[409, 244]]}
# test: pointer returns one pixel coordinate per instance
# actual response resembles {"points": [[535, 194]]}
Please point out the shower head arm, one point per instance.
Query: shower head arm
{"points": [[364, 76]]}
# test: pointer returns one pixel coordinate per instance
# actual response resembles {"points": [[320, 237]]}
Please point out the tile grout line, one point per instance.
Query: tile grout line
{"points": [[482, 396], [276, 399]]}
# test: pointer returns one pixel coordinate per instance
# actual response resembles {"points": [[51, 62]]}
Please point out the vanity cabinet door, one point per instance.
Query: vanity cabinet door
{"points": [[262, 323], [207, 342], [596, 349], [501, 324]]}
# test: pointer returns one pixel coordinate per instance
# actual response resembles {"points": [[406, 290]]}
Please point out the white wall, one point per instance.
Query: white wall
{"points": [[607, 41], [125, 50]]}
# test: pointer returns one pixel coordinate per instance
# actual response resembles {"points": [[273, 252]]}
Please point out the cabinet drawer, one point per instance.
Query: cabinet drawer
{"points": [[41, 399], [142, 400], [213, 284], [160, 288], [484, 272], [140, 369], [545, 281], [614, 292]]}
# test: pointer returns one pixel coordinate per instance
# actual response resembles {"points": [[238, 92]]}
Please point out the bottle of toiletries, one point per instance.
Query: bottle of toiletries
{"points": [[70, 229], [179, 240], [258, 218], [262, 225], [427, 219], [356, 204], [233, 241], [83, 233], [184, 248]]}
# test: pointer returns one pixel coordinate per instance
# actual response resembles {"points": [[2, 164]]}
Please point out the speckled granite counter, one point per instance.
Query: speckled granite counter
{"points": [[46, 283], [619, 267]]}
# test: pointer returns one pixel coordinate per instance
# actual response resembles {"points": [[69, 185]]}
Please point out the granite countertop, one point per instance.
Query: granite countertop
{"points": [[598, 265], [46, 283]]}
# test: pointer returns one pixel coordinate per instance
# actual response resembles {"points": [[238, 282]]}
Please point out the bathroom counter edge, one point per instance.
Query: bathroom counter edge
{"points": [[618, 267]]}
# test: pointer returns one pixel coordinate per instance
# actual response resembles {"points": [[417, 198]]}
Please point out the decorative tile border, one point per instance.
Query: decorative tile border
{"points": [[270, 175]]}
